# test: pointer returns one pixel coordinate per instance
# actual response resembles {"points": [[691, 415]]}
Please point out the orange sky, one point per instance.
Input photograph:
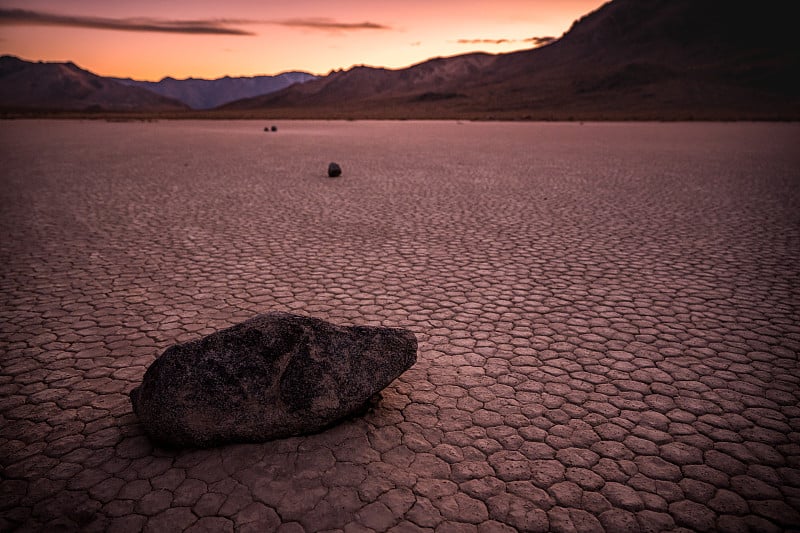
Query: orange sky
{"points": [[249, 37]]}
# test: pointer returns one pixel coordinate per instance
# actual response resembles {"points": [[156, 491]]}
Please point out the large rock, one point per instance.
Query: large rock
{"points": [[272, 376]]}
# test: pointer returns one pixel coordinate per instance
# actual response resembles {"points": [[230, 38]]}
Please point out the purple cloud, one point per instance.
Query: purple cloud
{"points": [[328, 24], [19, 17]]}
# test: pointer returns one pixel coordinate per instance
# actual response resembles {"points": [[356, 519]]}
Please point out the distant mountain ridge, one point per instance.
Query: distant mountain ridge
{"points": [[644, 59], [629, 59], [48, 87], [200, 93]]}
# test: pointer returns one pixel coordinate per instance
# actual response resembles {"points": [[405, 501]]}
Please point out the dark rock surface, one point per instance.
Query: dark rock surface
{"points": [[275, 375], [334, 170]]}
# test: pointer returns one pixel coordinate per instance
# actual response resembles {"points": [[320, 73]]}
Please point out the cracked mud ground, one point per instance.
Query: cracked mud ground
{"points": [[608, 317]]}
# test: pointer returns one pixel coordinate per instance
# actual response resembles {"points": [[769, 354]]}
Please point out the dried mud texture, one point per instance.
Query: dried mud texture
{"points": [[607, 317]]}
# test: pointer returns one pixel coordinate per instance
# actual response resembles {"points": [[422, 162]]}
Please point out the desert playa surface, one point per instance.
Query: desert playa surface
{"points": [[607, 315]]}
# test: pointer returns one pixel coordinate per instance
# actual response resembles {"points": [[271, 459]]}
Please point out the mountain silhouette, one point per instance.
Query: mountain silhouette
{"points": [[207, 94], [28, 86], [629, 59]]}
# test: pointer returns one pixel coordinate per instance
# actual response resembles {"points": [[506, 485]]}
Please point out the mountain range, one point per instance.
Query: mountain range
{"points": [[629, 59], [52, 87], [647, 59], [208, 94]]}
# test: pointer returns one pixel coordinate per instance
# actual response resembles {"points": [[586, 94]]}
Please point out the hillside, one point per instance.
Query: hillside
{"points": [[48, 87], [629, 59], [207, 94], [660, 59]]}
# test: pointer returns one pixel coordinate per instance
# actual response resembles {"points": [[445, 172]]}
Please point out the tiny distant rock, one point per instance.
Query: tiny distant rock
{"points": [[334, 170], [266, 128], [275, 375], [274, 128]]}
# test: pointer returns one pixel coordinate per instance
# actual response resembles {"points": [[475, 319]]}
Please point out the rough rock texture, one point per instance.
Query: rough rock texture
{"points": [[272, 376]]}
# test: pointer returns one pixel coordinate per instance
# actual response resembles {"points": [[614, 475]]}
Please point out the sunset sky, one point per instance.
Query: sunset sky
{"points": [[150, 39]]}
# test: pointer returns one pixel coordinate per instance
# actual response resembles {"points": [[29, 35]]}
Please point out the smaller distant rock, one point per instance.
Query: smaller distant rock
{"points": [[266, 128], [334, 170], [274, 128]]}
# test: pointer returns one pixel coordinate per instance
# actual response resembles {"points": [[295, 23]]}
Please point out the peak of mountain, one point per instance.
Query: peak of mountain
{"points": [[628, 59], [364, 84], [40, 86], [200, 93]]}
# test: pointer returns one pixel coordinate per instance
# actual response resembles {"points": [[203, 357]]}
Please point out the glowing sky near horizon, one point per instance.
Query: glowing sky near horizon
{"points": [[151, 39]]}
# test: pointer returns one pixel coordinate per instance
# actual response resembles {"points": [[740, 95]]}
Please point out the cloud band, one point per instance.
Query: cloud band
{"points": [[20, 17], [328, 24], [538, 41], [208, 27]]}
